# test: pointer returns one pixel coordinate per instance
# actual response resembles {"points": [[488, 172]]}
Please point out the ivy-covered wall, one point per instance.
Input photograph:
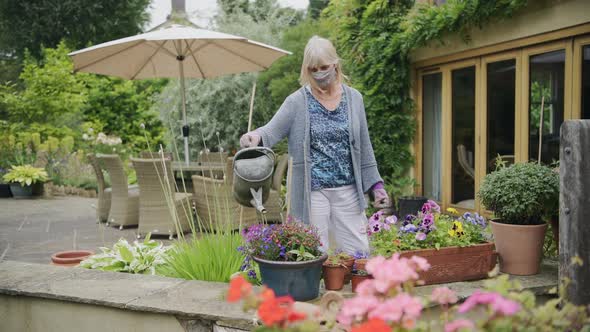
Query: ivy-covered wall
{"points": [[375, 38]]}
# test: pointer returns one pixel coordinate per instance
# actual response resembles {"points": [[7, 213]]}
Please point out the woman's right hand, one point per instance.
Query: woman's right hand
{"points": [[250, 139]]}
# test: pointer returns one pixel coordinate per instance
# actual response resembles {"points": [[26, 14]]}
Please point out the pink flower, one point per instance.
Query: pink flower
{"points": [[497, 302], [443, 295], [374, 264], [366, 288], [390, 311], [458, 325], [433, 206], [412, 305], [356, 309], [505, 307], [420, 263], [420, 236]]}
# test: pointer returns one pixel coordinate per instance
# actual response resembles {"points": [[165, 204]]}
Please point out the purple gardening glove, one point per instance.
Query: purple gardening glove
{"points": [[250, 139], [380, 197]]}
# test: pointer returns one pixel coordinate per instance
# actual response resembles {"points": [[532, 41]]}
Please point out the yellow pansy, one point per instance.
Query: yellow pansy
{"points": [[453, 211], [457, 229]]}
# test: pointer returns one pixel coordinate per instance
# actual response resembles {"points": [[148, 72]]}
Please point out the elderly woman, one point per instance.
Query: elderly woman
{"points": [[333, 160]]}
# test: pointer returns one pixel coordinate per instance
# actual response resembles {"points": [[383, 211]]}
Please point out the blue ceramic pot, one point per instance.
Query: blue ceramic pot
{"points": [[19, 191], [300, 280]]}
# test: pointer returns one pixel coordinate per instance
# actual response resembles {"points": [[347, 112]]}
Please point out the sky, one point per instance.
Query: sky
{"points": [[201, 11]]}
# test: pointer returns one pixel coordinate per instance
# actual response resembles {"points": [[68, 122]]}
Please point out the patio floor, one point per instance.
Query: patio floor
{"points": [[32, 230]]}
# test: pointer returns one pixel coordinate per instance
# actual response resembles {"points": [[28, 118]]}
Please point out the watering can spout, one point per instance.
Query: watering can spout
{"points": [[257, 200]]}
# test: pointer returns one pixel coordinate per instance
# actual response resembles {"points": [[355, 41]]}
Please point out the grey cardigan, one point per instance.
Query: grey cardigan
{"points": [[292, 121]]}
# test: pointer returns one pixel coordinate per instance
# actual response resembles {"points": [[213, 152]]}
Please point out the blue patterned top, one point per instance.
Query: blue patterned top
{"points": [[331, 160]]}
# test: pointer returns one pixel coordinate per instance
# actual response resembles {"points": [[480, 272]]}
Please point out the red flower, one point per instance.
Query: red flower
{"points": [[372, 325], [277, 311], [238, 287]]}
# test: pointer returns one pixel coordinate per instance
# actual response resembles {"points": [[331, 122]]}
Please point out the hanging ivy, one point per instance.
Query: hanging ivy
{"points": [[374, 38]]}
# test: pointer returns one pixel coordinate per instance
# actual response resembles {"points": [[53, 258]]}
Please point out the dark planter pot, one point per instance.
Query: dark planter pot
{"points": [[410, 205], [37, 188], [70, 258], [5, 190], [19, 191], [357, 279], [300, 280]]}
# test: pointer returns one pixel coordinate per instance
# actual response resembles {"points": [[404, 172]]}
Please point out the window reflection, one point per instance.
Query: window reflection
{"points": [[501, 81], [432, 117], [546, 82], [463, 110]]}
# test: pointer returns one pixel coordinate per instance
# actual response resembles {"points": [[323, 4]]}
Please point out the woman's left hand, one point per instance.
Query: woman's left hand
{"points": [[381, 199]]}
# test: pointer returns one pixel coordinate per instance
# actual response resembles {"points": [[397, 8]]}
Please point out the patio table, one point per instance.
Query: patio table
{"points": [[215, 170]]}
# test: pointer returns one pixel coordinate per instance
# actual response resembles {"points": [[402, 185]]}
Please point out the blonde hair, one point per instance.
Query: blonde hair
{"points": [[318, 52]]}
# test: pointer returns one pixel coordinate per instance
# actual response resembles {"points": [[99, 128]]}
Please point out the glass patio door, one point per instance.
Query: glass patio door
{"points": [[432, 135]]}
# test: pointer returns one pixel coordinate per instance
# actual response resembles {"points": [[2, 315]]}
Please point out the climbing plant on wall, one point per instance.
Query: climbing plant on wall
{"points": [[375, 38]]}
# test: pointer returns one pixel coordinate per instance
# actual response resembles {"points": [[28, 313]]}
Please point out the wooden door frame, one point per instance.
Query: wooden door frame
{"points": [[579, 43]]}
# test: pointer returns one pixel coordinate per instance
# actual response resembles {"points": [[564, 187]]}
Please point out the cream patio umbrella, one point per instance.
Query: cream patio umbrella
{"points": [[176, 52]]}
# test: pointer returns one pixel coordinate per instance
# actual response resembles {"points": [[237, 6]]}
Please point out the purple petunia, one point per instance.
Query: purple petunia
{"points": [[420, 236]]}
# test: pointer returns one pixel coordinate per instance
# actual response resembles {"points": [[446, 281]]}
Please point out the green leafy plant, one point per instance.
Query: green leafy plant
{"points": [[301, 254], [26, 175], [523, 193], [139, 258], [208, 257]]}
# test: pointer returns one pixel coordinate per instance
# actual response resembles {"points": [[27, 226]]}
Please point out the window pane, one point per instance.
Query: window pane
{"points": [[501, 82], [586, 83], [463, 108], [546, 80], [431, 116]]}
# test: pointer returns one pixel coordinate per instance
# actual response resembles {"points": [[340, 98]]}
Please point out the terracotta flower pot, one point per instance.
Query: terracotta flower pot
{"points": [[519, 247], [70, 258], [334, 276], [359, 264], [357, 279]]}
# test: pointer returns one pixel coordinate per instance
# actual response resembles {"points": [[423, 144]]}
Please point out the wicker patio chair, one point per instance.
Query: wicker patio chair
{"points": [[104, 193], [155, 155], [125, 199], [162, 210]]}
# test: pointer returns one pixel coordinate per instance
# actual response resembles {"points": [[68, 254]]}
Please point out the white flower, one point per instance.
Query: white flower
{"points": [[142, 126], [85, 136]]}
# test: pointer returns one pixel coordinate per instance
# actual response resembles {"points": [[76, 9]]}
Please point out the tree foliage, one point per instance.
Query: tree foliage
{"points": [[36, 24], [375, 38], [56, 102]]}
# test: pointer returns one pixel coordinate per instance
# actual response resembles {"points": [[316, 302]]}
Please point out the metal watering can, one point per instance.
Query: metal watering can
{"points": [[253, 169]]}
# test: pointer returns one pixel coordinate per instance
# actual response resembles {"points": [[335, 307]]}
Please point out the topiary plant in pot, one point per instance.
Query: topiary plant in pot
{"points": [[522, 197]]}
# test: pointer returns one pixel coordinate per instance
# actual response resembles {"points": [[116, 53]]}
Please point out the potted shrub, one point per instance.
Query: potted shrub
{"points": [[334, 271], [22, 179], [288, 257], [522, 197], [455, 246]]}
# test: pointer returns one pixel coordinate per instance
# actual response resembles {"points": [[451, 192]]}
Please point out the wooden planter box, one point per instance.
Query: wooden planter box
{"points": [[452, 264]]}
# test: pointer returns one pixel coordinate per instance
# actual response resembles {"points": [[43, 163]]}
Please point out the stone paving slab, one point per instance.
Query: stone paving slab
{"points": [[31, 230]]}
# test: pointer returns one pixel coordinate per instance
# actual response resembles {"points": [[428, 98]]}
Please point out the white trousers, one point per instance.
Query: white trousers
{"points": [[337, 214]]}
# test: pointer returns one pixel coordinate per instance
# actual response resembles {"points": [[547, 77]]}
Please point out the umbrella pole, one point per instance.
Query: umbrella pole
{"points": [[180, 59]]}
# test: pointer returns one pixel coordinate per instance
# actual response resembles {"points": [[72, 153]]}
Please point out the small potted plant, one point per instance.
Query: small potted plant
{"points": [[358, 276], [288, 256], [334, 272], [22, 179], [522, 197], [348, 261]]}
